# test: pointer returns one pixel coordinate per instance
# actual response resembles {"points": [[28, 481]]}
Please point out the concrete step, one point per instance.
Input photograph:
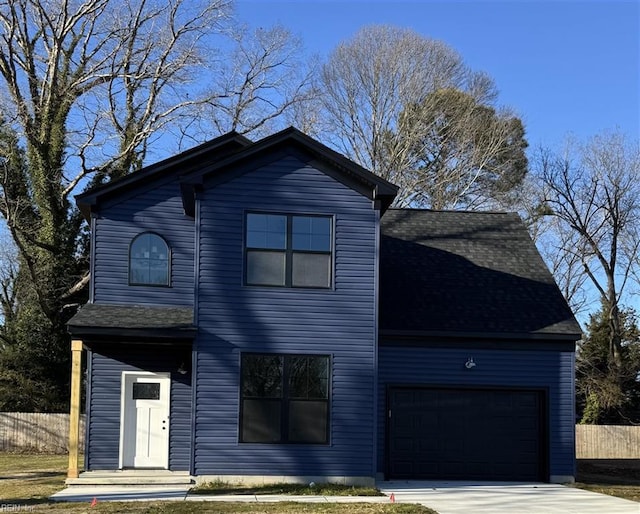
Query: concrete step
{"points": [[131, 477]]}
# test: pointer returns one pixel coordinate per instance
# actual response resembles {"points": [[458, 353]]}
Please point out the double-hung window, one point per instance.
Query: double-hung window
{"points": [[288, 250], [285, 399]]}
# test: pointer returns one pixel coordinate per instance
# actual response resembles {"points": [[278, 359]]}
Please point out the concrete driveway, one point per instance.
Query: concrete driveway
{"points": [[505, 498]]}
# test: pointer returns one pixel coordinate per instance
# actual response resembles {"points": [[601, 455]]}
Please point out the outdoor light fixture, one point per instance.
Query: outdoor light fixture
{"points": [[470, 364], [182, 369]]}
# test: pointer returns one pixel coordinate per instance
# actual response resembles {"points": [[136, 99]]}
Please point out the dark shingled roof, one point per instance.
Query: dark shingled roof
{"points": [[105, 319], [466, 273], [453, 274]]}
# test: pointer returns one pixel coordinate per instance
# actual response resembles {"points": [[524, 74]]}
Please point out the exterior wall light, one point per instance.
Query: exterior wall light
{"points": [[470, 364]]}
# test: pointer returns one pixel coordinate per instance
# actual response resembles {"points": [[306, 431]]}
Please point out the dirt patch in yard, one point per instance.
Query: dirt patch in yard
{"points": [[609, 471]]}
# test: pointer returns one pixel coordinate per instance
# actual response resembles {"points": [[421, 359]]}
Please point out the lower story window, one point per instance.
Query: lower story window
{"points": [[285, 399]]}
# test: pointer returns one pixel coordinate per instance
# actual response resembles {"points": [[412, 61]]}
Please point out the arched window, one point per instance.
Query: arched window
{"points": [[149, 260]]}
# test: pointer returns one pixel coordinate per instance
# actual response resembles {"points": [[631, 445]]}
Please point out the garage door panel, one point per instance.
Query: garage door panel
{"points": [[403, 467], [426, 445], [452, 447], [465, 434], [403, 445]]}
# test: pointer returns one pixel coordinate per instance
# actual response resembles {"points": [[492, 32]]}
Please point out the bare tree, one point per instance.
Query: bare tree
{"points": [[409, 109], [84, 85], [161, 51], [593, 198], [88, 82], [567, 268], [550, 236], [264, 82]]}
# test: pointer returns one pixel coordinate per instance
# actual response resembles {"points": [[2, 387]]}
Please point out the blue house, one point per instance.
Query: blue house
{"points": [[258, 312]]}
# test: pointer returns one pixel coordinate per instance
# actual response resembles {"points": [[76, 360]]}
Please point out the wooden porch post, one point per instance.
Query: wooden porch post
{"points": [[74, 414]]}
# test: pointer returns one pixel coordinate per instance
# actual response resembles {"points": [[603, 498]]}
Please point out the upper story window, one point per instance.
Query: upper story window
{"points": [[149, 260], [288, 250]]}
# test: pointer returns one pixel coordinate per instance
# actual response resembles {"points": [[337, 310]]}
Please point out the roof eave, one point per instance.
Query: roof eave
{"points": [[168, 334], [540, 336], [87, 200]]}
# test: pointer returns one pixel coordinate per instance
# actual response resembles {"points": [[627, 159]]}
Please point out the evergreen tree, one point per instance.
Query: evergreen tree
{"points": [[609, 393]]}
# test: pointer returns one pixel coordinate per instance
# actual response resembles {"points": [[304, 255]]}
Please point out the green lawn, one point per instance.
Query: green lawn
{"points": [[214, 488], [28, 480]]}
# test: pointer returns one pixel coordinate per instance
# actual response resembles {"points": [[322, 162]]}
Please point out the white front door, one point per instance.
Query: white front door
{"points": [[144, 423]]}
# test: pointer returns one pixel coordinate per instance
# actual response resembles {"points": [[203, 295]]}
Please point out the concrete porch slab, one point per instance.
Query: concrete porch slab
{"points": [[121, 493], [131, 477]]}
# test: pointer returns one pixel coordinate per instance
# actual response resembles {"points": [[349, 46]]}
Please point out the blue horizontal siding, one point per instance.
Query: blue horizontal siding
{"points": [[103, 427], [233, 319], [551, 371], [158, 210]]}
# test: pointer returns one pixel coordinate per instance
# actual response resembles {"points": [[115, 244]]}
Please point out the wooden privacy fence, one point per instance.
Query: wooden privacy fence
{"points": [[607, 442], [36, 431]]}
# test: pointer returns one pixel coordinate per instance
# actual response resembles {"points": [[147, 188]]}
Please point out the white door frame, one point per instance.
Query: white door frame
{"points": [[123, 399]]}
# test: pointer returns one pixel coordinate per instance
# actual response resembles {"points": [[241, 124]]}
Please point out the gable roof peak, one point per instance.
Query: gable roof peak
{"points": [[380, 189], [219, 154]]}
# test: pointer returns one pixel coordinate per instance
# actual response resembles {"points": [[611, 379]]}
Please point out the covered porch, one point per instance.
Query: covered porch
{"points": [[138, 393]]}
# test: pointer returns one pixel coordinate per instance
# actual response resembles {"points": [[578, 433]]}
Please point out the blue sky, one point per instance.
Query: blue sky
{"points": [[566, 67]]}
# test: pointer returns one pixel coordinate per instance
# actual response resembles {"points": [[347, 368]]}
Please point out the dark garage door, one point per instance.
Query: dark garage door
{"points": [[461, 434]]}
